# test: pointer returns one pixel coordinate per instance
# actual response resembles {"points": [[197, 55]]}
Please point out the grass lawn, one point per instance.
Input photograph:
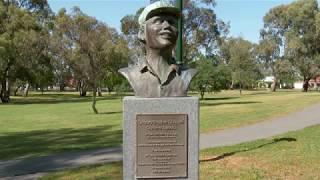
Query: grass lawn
{"points": [[228, 109], [111, 171], [292, 156], [54, 122]]}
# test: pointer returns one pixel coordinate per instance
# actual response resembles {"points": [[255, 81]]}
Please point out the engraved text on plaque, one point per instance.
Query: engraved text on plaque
{"points": [[161, 146]]}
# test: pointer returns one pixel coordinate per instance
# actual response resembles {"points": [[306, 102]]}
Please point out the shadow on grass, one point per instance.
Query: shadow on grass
{"points": [[35, 143], [224, 103], [108, 113], [274, 141], [219, 98], [57, 98], [257, 93]]}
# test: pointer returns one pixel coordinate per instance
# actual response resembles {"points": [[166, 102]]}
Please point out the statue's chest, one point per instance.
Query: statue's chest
{"points": [[150, 86]]}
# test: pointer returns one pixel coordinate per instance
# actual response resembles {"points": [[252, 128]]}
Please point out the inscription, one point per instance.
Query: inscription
{"points": [[161, 146]]}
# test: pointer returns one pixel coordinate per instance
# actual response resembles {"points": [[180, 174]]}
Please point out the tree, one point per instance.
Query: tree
{"points": [[17, 23], [243, 65], [90, 47], [113, 80], [268, 52], [213, 75], [285, 73], [201, 29], [22, 22], [130, 28], [34, 60], [296, 25], [62, 48]]}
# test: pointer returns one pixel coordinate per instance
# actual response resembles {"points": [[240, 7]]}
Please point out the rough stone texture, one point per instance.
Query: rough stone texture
{"points": [[133, 106]]}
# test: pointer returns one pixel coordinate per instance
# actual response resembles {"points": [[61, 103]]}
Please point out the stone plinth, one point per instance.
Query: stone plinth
{"points": [[175, 122]]}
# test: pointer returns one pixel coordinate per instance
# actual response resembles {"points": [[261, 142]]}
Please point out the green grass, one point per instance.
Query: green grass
{"points": [[228, 109], [294, 155], [55, 122], [40, 125], [111, 171]]}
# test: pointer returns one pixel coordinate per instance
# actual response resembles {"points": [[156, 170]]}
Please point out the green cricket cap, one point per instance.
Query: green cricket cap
{"points": [[158, 7]]}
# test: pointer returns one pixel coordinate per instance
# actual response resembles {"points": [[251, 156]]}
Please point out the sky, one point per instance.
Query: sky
{"points": [[245, 16]]}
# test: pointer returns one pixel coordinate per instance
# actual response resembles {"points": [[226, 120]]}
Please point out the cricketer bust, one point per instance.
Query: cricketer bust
{"points": [[159, 75]]}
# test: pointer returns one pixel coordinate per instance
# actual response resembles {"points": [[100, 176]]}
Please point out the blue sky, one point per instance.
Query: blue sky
{"points": [[245, 16]]}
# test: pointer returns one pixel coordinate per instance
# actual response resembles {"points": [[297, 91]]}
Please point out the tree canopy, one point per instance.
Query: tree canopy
{"points": [[88, 47], [296, 26]]}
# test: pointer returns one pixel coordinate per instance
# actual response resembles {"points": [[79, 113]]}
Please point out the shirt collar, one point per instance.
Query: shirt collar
{"points": [[145, 67]]}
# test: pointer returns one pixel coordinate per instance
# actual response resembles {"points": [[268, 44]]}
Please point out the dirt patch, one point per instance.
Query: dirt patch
{"points": [[235, 162], [246, 166]]}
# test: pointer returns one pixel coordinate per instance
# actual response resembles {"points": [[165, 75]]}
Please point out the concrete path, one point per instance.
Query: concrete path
{"points": [[294, 121], [33, 167]]}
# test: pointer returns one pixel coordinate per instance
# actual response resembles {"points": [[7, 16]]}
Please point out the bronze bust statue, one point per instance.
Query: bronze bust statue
{"points": [[159, 75]]}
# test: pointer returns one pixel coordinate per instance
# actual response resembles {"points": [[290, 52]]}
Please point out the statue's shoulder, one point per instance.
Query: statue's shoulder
{"points": [[124, 72], [130, 72], [189, 73]]}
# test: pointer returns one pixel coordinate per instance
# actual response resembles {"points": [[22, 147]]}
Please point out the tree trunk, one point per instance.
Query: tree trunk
{"points": [[61, 87], [240, 89], [82, 88], [26, 90], [16, 90], [231, 86], [99, 91], [274, 84], [94, 100], [83, 93], [5, 90], [110, 89], [202, 94], [306, 84]]}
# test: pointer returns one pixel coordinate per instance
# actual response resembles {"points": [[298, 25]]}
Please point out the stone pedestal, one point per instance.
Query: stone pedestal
{"points": [[161, 138]]}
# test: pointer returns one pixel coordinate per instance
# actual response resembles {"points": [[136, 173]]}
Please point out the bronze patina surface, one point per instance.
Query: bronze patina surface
{"points": [[162, 148], [157, 74]]}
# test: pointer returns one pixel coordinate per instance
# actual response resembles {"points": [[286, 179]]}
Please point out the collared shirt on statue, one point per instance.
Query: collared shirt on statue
{"points": [[146, 83]]}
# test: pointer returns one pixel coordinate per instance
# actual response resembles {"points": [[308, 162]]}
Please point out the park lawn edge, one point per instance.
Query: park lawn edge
{"points": [[240, 161]]}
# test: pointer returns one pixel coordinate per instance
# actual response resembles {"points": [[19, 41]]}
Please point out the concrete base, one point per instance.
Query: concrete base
{"points": [[182, 105]]}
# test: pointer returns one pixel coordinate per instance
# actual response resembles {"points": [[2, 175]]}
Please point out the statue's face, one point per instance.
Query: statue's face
{"points": [[161, 32]]}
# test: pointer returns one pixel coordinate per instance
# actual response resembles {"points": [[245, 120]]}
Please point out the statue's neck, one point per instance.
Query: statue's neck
{"points": [[159, 61]]}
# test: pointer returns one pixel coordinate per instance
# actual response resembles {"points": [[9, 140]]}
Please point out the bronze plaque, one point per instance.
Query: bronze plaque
{"points": [[162, 146]]}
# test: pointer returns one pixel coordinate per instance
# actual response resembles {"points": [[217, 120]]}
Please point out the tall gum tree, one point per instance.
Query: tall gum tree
{"points": [[296, 25], [268, 52], [18, 19], [15, 23], [90, 47]]}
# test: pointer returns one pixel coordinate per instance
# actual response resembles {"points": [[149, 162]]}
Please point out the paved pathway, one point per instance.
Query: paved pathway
{"points": [[57, 162], [34, 167], [294, 121]]}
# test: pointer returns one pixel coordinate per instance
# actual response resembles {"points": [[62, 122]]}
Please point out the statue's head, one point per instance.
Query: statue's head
{"points": [[158, 25]]}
